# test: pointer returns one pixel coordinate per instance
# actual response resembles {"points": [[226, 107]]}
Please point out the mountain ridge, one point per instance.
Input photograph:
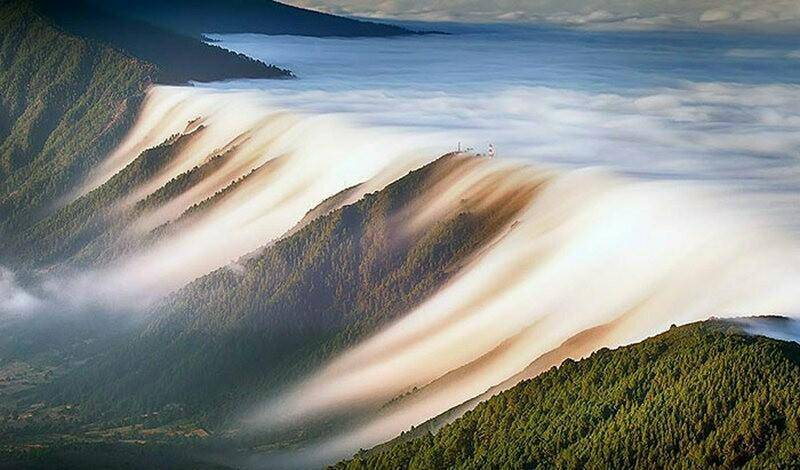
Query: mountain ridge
{"points": [[179, 59], [639, 405], [194, 18]]}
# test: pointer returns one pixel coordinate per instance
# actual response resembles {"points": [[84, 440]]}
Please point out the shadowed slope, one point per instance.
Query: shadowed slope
{"points": [[278, 313], [64, 103], [178, 58], [247, 16], [71, 228]]}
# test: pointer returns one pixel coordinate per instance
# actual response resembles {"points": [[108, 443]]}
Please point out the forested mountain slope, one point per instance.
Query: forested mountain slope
{"points": [[246, 16], [279, 312], [93, 219], [66, 101], [701, 395], [71, 83]]}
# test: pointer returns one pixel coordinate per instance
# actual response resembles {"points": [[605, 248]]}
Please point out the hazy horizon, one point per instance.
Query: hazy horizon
{"points": [[730, 15]]}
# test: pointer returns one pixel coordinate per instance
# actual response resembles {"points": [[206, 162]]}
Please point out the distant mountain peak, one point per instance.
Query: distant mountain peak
{"points": [[194, 18]]}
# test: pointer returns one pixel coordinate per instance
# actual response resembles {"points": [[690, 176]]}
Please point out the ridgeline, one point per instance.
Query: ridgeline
{"points": [[697, 396]]}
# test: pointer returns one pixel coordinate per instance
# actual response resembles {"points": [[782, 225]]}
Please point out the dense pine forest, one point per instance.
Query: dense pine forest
{"points": [[285, 310], [66, 101], [698, 396], [67, 231]]}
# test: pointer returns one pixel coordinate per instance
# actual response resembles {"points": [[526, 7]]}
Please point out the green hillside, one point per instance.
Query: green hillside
{"points": [[68, 230], [236, 335], [64, 103], [698, 396], [71, 83], [93, 230], [286, 308]]}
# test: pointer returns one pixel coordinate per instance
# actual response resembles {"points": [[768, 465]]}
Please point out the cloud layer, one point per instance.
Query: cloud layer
{"points": [[617, 14], [592, 250], [589, 251], [569, 105]]}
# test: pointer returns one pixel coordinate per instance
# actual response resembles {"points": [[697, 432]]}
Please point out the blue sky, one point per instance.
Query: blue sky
{"points": [[762, 15]]}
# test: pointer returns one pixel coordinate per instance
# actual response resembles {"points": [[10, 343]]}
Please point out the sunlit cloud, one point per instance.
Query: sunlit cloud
{"points": [[671, 242], [589, 250]]}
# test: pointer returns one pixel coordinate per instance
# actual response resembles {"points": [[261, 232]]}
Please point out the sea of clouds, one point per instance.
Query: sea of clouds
{"points": [[721, 109], [707, 124], [596, 14], [705, 127]]}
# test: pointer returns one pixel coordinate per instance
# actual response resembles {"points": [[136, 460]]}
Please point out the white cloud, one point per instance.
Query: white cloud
{"points": [[754, 53], [716, 15]]}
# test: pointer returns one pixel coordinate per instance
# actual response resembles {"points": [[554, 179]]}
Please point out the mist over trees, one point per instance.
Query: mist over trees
{"points": [[698, 396], [286, 309]]}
